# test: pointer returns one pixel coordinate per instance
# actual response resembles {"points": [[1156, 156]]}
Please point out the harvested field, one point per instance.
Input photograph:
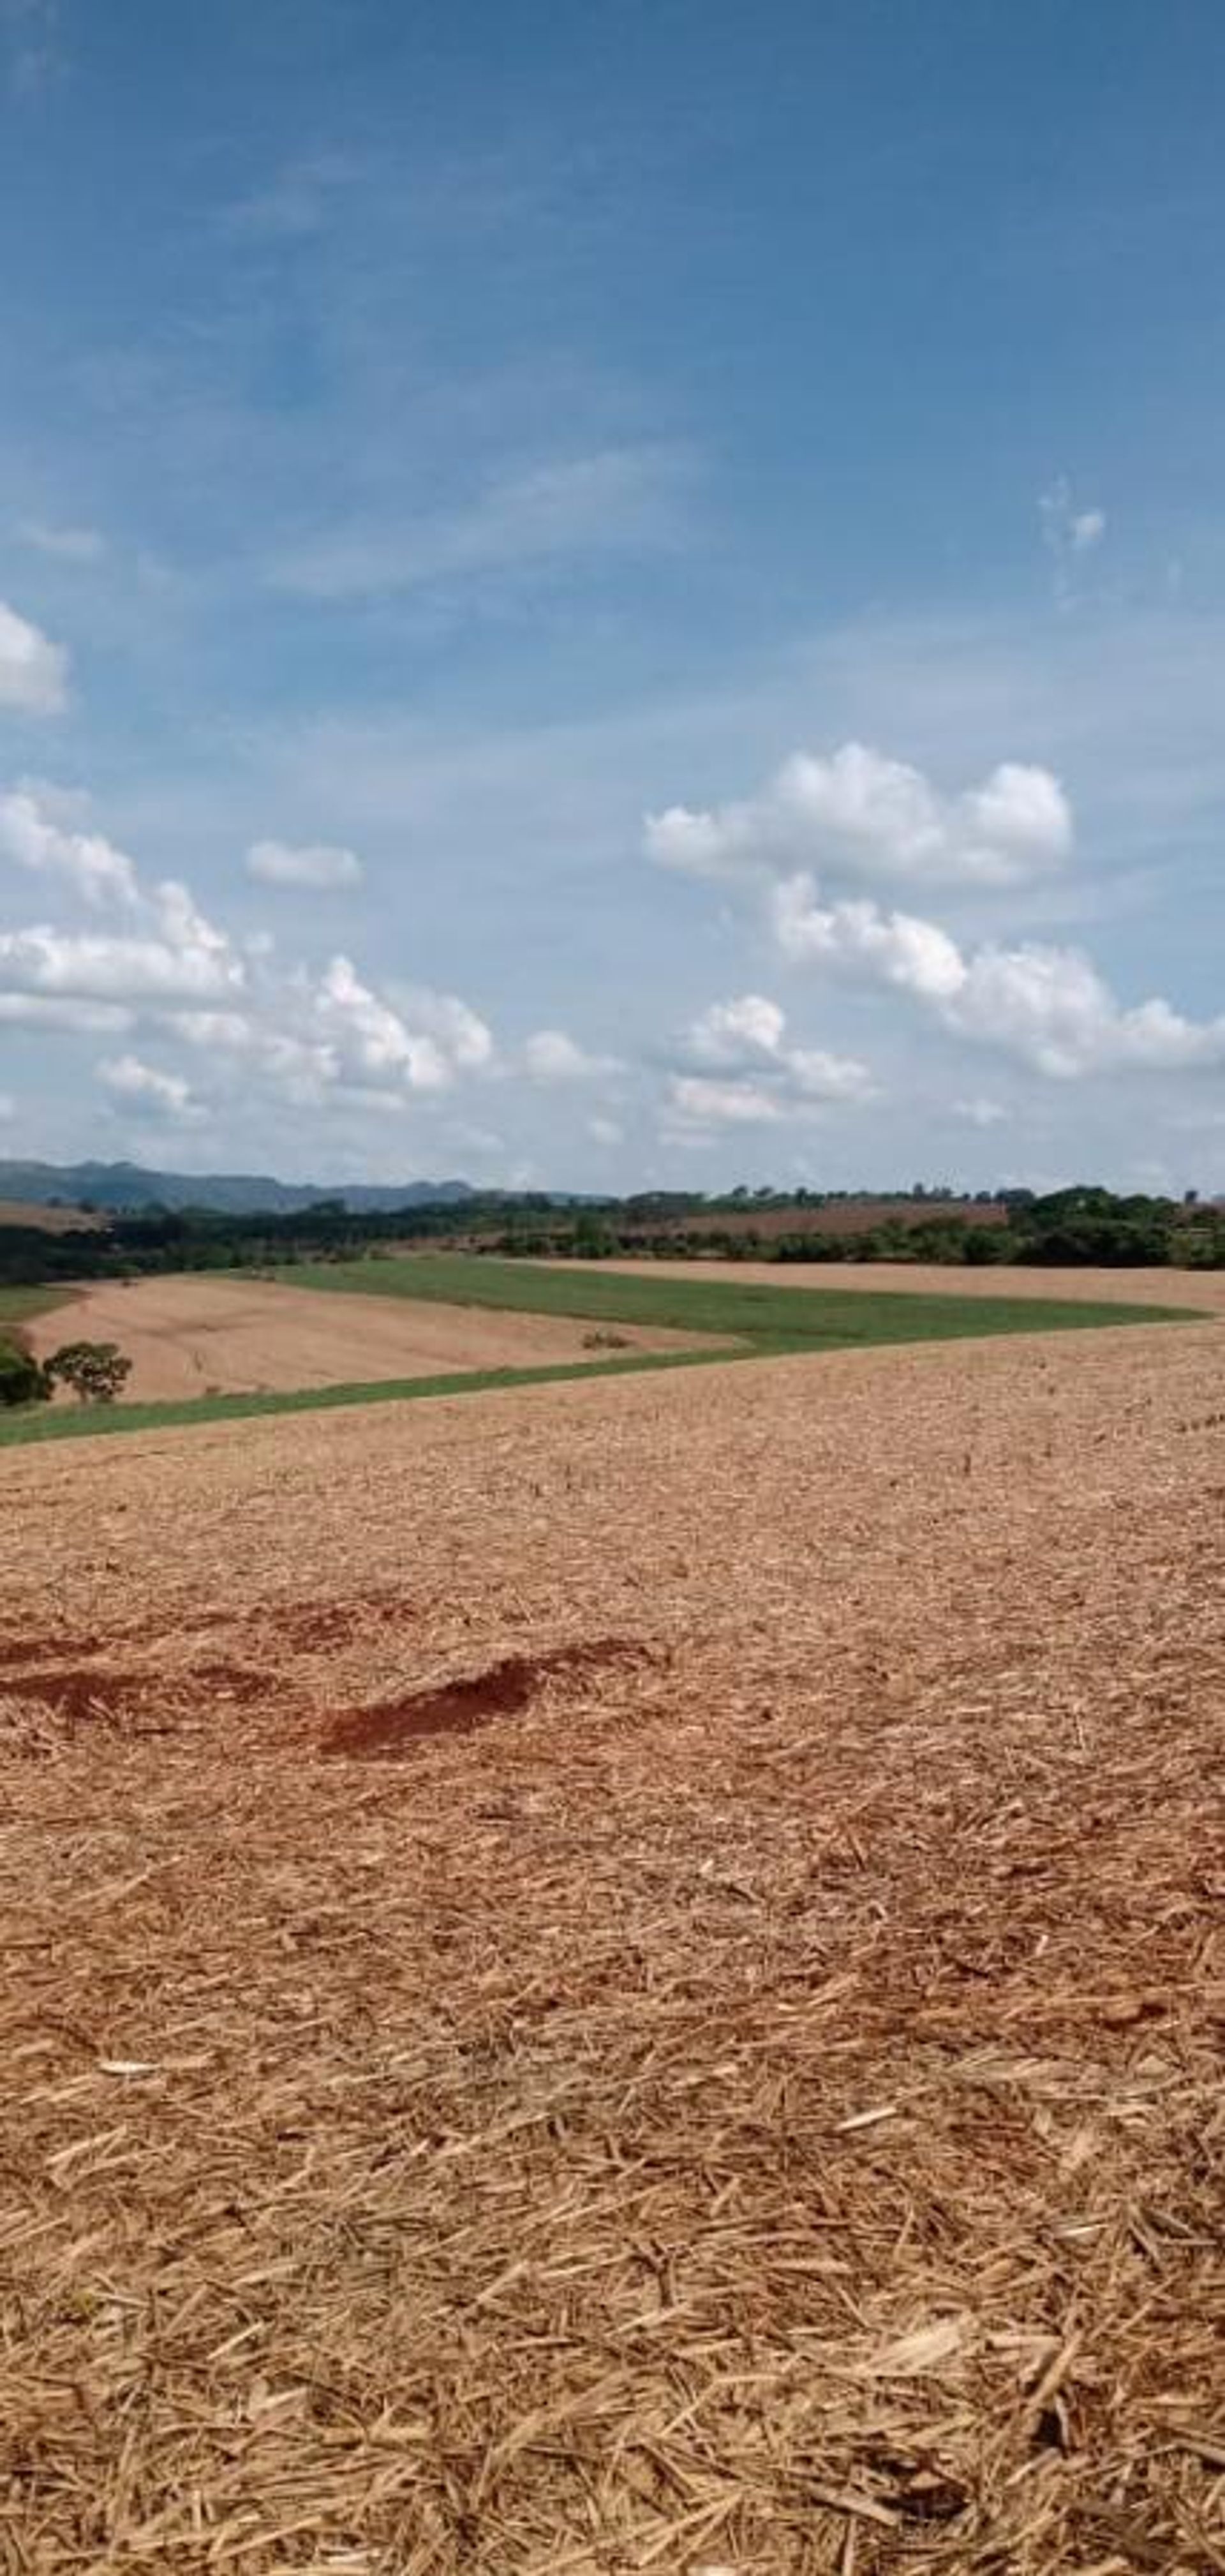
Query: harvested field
{"points": [[190, 1336], [33, 1214], [1202, 1291], [621, 1976]]}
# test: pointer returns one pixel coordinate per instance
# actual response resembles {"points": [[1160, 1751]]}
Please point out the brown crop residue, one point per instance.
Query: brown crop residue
{"points": [[504, 1689], [98, 1695], [78, 1695], [24, 1650]]}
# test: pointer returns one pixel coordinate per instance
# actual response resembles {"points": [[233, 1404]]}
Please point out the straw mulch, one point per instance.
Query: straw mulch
{"points": [[621, 1977]]}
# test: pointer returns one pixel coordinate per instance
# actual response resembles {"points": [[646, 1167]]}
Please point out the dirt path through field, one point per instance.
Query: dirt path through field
{"points": [[196, 1336]]}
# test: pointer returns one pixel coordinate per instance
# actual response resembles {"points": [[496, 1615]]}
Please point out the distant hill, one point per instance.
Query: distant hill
{"points": [[115, 1186]]}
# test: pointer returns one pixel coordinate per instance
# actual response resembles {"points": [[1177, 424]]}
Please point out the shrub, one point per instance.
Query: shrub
{"points": [[22, 1381]]}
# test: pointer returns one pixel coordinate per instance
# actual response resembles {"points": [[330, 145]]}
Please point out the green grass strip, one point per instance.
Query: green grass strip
{"points": [[21, 1428], [788, 1318]]}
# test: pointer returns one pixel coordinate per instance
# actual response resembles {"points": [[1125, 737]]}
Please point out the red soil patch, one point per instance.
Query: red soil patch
{"points": [[93, 1696], [462, 1707]]}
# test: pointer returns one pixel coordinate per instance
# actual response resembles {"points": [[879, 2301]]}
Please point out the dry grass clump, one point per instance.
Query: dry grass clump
{"points": [[622, 1977]]}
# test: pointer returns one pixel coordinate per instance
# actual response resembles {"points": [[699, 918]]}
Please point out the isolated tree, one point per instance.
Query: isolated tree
{"points": [[94, 1370]]}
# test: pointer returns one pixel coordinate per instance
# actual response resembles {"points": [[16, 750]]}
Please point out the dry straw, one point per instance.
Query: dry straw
{"points": [[622, 1979]]}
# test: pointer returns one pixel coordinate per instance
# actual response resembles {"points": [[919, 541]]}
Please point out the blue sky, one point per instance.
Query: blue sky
{"points": [[610, 596]]}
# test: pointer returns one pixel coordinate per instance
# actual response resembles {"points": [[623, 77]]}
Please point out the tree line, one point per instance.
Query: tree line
{"points": [[1085, 1225]]}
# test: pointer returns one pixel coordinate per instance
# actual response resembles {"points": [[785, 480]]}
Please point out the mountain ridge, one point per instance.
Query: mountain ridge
{"points": [[127, 1186]]}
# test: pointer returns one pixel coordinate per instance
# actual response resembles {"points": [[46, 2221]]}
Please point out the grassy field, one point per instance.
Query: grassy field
{"points": [[769, 1319], [20, 1305], [759, 1322]]}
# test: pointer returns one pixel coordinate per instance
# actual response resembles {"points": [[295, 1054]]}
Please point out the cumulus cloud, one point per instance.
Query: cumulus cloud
{"points": [[1046, 1005], [858, 936], [314, 866], [310, 1036], [32, 836], [33, 671], [164, 1095], [862, 815], [462, 1037], [551, 1056], [83, 967], [739, 1069], [731, 1033]]}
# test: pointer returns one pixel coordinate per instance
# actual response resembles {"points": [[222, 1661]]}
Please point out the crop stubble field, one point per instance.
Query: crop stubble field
{"points": [[620, 1975]]}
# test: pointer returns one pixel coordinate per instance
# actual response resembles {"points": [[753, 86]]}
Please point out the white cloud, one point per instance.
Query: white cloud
{"points": [[1048, 1006], [32, 837], [309, 1037], [462, 1036], [8, 1108], [747, 1073], [87, 968], [885, 947], [44, 1011], [694, 1100], [550, 1056], [731, 1032], [859, 814], [65, 544], [166, 1095], [33, 671], [317, 866], [356, 1036], [605, 1131]]}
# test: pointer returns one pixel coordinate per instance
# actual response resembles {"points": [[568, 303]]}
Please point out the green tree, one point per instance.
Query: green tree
{"points": [[94, 1370], [21, 1379]]}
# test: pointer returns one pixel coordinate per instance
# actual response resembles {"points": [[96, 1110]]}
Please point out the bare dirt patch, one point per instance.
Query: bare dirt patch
{"points": [[754, 2106], [189, 1336], [461, 1707]]}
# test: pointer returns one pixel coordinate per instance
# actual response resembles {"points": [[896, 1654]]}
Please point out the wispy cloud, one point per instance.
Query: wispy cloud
{"points": [[30, 44], [296, 201], [1069, 533], [63, 544], [313, 867], [620, 499]]}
